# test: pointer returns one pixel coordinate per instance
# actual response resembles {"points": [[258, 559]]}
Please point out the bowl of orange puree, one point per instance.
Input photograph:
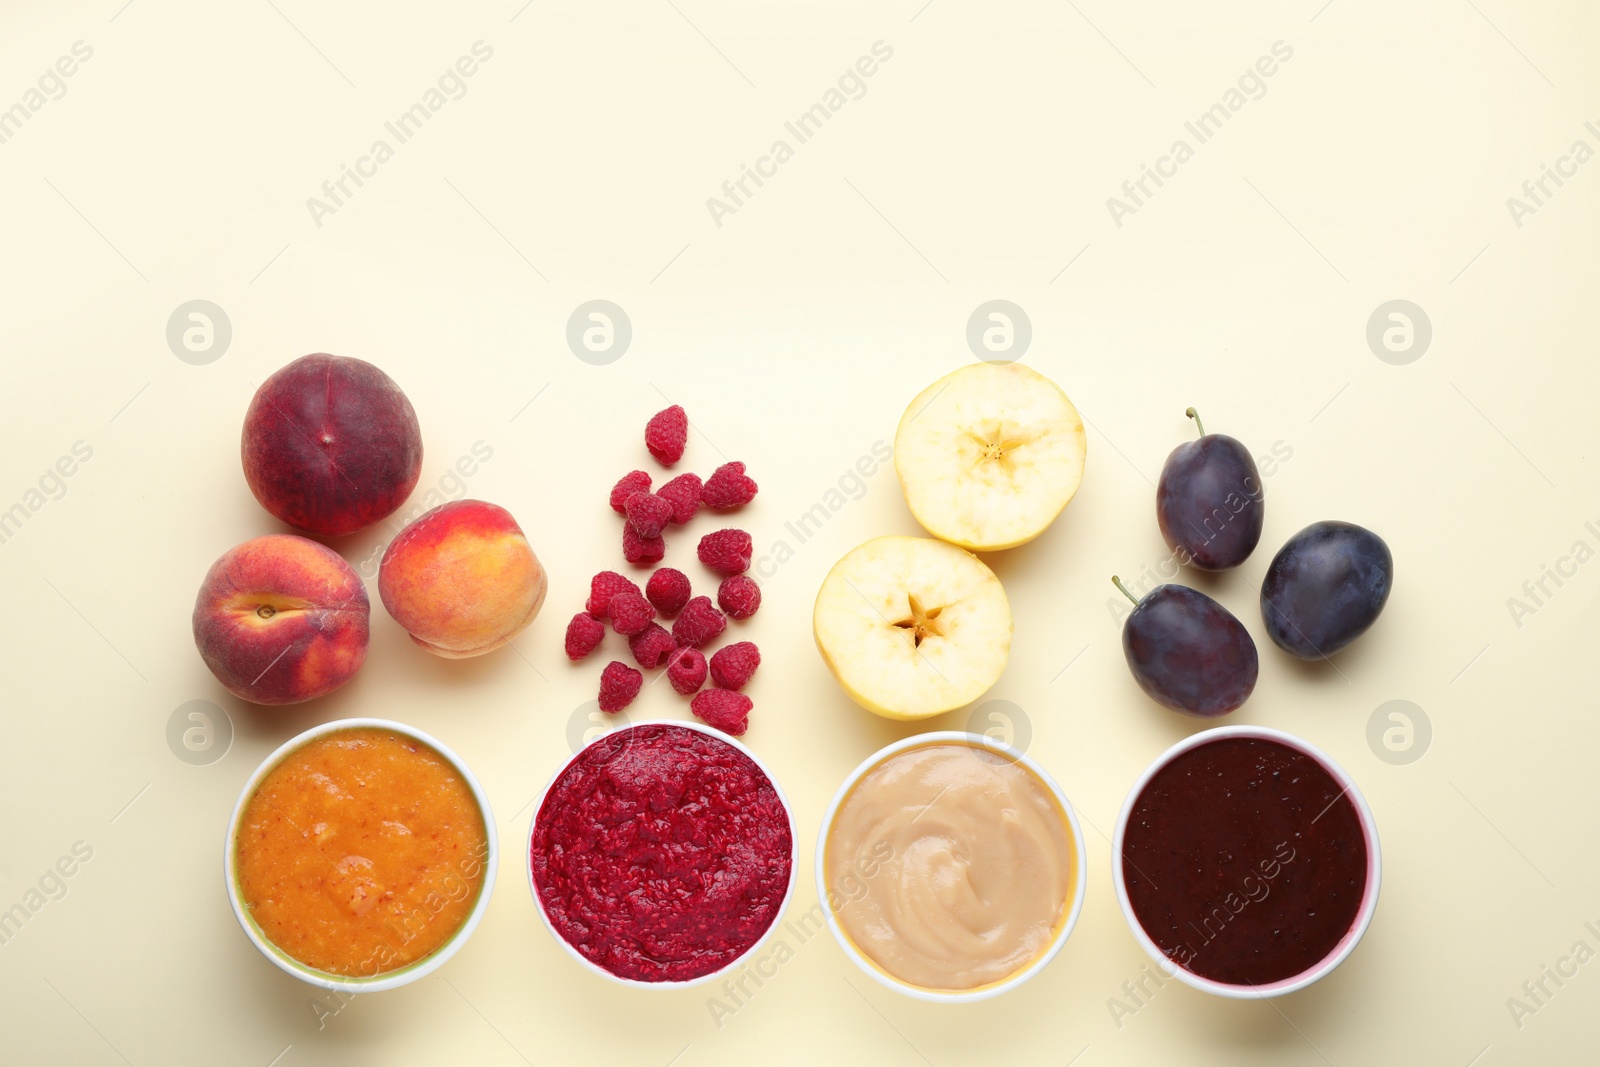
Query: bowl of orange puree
{"points": [[361, 855]]}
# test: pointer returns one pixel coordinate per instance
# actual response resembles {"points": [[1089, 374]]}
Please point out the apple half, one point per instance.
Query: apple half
{"points": [[912, 627], [988, 456]]}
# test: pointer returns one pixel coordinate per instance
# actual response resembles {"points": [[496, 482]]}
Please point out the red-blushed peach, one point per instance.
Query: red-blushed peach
{"points": [[281, 619], [462, 580], [331, 445]]}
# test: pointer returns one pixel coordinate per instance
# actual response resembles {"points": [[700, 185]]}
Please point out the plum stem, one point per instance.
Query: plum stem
{"points": [[1195, 415], [1118, 581]]}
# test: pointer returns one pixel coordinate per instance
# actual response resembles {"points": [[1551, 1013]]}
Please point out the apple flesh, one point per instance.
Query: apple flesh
{"points": [[331, 445], [989, 455], [462, 580], [281, 619], [912, 627]]}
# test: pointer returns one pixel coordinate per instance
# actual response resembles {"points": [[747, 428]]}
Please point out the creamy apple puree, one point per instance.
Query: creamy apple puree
{"points": [[980, 866]]}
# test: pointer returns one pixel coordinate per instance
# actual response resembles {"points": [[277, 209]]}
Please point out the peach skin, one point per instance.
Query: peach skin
{"points": [[281, 619], [331, 445], [462, 580]]}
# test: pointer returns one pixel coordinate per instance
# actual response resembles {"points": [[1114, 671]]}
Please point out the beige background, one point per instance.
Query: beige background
{"points": [[1376, 166]]}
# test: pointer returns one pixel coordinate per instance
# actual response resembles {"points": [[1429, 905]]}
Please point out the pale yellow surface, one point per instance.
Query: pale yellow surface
{"points": [[977, 166]]}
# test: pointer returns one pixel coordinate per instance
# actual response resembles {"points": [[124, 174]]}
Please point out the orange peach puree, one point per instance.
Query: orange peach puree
{"points": [[361, 852]]}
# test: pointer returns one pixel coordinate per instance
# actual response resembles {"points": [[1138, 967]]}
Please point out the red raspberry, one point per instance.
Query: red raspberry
{"points": [[700, 622], [665, 435], [683, 493], [686, 670], [631, 483], [723, 708], [584, 634], [651, 646], [728, 487], [739, 596], [641, 551], [630, 612], [604, 586], [732, 665], [669, 590], [619, 684], [726, 551], [647, 513]]}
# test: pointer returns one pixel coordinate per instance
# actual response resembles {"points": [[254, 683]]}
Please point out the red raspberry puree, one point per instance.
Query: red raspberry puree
{"points": [[661, 853]]}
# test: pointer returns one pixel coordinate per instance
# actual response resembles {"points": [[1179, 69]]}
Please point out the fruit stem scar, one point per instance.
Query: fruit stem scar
{"points": [[266, 611], [1118, 581], [1195, 415]]}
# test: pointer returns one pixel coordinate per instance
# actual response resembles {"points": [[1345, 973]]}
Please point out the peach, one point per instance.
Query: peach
{"points": [[462, 580], [281, 619], [331, 445]]}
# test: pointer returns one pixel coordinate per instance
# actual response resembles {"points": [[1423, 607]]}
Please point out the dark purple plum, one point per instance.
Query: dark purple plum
{"points": [[1325, 586], [1188, 652], [1209, 501]]}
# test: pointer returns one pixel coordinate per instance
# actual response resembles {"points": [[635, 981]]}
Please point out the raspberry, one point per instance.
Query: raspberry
{"points": [[739, 596], [647, 513], [651, 646], [642, 551], [728, 487], [732, 665], [669, 590], [683, 493], [686, 670], [665, 435], [700, 622], [723, 708], [726, 551], [604, 586], [584, 634], [630, 612], [619, 684], [631, 483]]}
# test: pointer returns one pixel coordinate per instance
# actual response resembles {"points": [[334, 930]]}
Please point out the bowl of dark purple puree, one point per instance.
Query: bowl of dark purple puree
{"points": [[1246, 862]]}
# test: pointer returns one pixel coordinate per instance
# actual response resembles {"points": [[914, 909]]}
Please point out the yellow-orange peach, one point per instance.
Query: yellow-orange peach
{"points": [[462, 580], [281, 619]]}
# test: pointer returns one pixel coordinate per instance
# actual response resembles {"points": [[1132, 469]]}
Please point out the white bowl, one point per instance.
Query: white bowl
{"points": [[388, 979], [993, 989], [788, 893], [1369, 895]]}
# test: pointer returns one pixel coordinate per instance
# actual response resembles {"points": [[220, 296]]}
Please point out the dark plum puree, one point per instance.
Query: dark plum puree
{"points": [[1244, 861], [661, 853]]}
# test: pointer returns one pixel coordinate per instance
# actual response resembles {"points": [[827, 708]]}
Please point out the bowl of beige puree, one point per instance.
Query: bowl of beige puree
{"points": [[951, 867]]}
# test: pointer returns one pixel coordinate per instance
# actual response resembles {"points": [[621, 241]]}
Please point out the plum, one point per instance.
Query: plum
{"points": [[1209, 501], [1325, 587], [1188, 652]]}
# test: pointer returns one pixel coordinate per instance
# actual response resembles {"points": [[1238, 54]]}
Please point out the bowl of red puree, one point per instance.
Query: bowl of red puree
{"points": [[1246, 862], [662, 854]]}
